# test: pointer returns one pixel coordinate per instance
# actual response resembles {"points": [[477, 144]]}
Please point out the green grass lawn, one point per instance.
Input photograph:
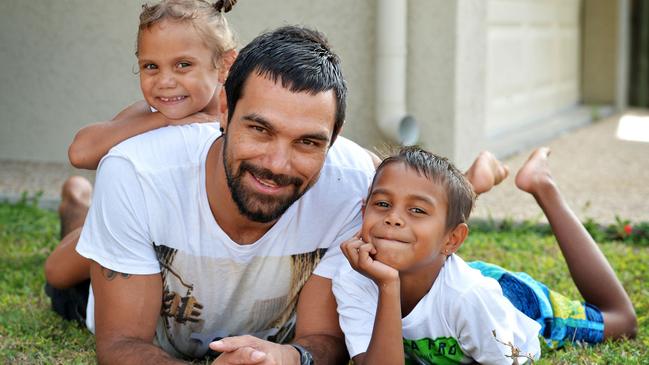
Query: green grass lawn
{"points": [[31, 333]]}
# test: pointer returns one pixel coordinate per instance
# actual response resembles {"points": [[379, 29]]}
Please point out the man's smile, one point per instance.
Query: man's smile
{"points": [[266, 186]]}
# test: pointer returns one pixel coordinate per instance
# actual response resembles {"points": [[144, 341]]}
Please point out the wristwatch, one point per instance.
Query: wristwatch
{"points": [[305, 355]]}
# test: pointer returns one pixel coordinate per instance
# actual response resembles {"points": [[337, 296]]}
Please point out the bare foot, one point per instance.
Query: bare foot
{"points": [[75, 200], [535, 173], [486, 172]]}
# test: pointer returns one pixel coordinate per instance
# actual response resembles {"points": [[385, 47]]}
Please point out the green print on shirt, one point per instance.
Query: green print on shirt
{"points": [[440, 351]]}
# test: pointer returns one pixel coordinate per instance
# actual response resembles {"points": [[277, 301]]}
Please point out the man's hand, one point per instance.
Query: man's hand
{"points": [[252, 350], [360, 257]]}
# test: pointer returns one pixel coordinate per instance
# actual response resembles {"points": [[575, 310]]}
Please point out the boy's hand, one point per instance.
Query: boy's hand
{"points": [[199, 117], [361, 257]]}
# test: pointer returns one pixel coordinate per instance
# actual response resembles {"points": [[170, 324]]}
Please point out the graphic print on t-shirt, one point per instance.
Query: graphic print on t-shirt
{"points": [[426, 351], [183, 306], [208, 298]]}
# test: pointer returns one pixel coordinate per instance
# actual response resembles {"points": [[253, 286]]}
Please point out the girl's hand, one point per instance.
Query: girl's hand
{"points": [[361, 257], [199, 117]]}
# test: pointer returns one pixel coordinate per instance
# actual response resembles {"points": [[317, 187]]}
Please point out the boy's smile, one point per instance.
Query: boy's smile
{"points": [[405, 219]]}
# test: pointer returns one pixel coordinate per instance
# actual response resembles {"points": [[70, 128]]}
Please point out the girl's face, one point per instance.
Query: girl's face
{"points": [[177, 74]]}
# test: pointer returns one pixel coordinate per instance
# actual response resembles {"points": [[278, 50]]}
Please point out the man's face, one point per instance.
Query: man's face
{"points": [[275, 145]]}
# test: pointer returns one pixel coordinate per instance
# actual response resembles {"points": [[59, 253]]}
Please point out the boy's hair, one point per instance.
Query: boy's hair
{"points": [[299, 57], [206, 18], [439, 170]]}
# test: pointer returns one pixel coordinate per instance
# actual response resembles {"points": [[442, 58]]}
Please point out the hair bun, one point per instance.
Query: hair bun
{"points": [[224, 5]]}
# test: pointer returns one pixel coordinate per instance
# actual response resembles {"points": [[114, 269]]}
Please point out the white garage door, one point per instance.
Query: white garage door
{"points": [[533, 61]]}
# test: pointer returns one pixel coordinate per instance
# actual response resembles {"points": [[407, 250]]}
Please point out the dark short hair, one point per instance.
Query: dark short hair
{"points": [[298, 57], [439, 170]]}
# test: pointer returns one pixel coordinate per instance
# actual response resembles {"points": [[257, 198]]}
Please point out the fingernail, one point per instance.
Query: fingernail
{"points": [[257, 355]]}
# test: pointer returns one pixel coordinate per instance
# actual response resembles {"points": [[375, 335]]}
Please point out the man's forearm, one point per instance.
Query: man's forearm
{"points": [[134, 351], [325, 349]]}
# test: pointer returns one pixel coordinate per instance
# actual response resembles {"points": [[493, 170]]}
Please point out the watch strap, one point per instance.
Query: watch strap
{"points": [[305, 355]]}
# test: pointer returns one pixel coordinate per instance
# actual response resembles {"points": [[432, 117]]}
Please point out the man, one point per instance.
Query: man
{"points": [[195, 237]]}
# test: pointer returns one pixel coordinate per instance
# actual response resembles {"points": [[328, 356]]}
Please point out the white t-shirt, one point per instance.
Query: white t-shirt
{"points": [[150, 214], [452, 323]]}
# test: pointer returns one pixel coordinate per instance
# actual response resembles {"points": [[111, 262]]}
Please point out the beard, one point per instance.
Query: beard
{"points": [[256, 206]]}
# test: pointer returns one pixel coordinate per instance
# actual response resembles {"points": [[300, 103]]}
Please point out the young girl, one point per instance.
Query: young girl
{"points": [[184, 50], [406, 295]]}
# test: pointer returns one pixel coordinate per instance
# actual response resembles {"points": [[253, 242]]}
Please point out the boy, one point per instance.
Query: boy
{"points": [[424, 304]]}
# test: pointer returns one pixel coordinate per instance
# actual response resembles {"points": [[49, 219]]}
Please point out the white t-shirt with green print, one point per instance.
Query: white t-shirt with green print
{"points": [[452, 324]]}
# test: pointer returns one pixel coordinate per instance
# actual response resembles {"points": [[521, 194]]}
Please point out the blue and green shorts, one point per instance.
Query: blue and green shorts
{"points": [[562, 319]]}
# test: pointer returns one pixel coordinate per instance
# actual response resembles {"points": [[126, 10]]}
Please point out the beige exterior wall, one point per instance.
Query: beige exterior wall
{"points": [[431, 67], [69, 63], [532, 61], [600, 45], [446, 75]]}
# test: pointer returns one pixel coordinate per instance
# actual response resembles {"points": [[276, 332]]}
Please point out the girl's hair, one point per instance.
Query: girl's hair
{"points": [[208, 20]]}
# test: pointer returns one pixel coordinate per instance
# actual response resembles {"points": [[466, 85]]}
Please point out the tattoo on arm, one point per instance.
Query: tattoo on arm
{"points": [[111, 274]]}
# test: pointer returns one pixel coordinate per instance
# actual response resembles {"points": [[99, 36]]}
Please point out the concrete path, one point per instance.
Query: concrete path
{"points": [[600, 176], [17, 177]]}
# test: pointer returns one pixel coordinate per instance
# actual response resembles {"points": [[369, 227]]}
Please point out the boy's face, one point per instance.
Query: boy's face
{"points": [[177, 74], [405, 219]]}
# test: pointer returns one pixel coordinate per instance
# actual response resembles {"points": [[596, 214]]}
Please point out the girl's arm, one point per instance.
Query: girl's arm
{"points": [[93, 141]]}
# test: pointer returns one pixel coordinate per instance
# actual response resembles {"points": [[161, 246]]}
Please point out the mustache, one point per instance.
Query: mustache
{"points": [[262, 173]]}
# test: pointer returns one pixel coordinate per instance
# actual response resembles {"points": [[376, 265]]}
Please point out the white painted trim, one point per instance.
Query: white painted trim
{"points": [[622, 67]]}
